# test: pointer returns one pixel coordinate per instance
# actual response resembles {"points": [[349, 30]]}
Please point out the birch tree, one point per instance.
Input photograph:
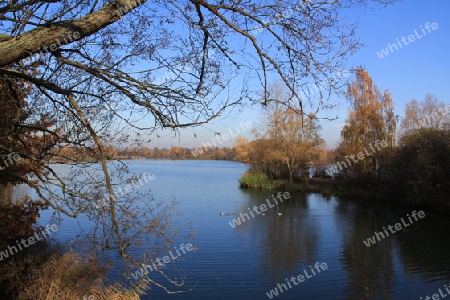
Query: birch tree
{"points": [[371, 121]]}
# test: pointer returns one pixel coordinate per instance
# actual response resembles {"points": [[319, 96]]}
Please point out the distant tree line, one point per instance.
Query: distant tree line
{"points": [[175, 152], [67, 154]]}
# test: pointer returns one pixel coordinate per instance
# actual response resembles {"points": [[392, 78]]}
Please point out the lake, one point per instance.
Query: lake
{"points": [[294, 239]]}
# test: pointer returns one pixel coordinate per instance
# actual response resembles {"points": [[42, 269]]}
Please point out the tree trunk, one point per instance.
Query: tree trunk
{"points": [[6, 192], [45, 39]]}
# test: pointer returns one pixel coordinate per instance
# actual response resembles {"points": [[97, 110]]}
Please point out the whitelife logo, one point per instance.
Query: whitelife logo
{"points": [[342, 165], [165, 260], [9, 160], [411, 38], [221, 138], [297, 280], [434, 117], [437, 296], [280, 196], [38, 236], [378, 236], [123, 191]]}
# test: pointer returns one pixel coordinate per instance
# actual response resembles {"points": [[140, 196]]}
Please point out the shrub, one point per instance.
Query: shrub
{"points": [[421, 166]]}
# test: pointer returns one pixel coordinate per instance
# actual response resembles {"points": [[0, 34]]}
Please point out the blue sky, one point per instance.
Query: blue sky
{"points": [[421, 67]]}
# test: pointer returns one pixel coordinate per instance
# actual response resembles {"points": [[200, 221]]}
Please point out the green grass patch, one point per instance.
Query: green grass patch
{"points": [[259, 180], [256, 180]]}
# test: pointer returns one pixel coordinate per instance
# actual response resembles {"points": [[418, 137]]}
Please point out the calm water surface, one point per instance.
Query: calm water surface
{"points": [[248, 261]]}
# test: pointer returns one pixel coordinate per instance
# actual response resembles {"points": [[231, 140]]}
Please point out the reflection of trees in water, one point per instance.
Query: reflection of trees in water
{"points": [[370, 270], [287, 240], [424, 250]]}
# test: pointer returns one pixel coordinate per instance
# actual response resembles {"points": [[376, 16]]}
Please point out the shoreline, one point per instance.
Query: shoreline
{"points": [[353, 190]]}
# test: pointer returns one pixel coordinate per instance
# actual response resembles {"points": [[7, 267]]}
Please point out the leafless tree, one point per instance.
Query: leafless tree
{"points": [[105, 72]]}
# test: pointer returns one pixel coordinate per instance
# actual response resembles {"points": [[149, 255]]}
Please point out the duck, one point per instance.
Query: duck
{"points": [[222, 214]]}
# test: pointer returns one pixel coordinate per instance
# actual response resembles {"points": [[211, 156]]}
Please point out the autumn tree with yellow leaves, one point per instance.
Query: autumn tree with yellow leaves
{"points": [[289, 143], [371, 120]]}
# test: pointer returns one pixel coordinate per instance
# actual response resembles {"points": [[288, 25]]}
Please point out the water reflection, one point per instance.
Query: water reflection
{"points": [[246, 261], [287, 240], [316, 228], [370, 270], [424, 249]]}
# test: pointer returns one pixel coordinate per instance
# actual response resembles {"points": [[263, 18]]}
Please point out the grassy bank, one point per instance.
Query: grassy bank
{"points": [[362, 189], [259, 180]]}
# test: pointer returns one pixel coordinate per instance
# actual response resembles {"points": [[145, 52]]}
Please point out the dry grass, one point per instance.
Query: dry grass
{"points": [[69, 276]]}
